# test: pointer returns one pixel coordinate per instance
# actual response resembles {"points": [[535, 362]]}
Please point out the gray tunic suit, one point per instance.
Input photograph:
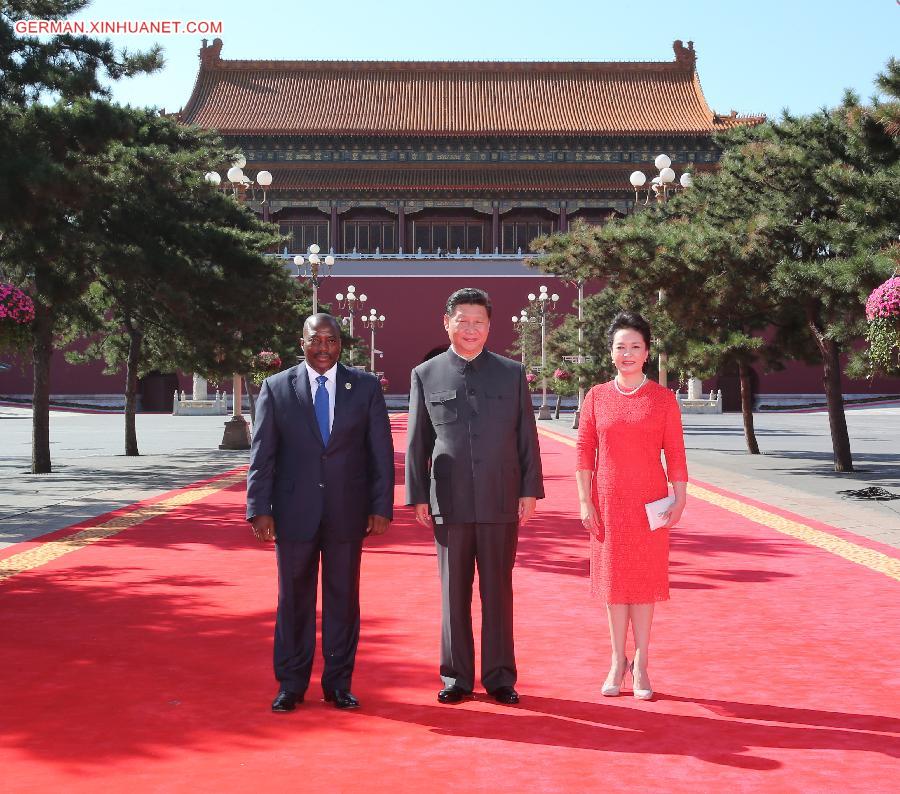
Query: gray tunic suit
{"points": [[473, 452]]}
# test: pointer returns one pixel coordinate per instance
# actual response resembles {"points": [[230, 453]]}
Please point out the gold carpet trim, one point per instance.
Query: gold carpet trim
{"points": [[54, 549], [869, 558]]}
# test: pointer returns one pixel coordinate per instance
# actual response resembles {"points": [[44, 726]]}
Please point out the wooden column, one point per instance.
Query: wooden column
{"points": [[401, 228], [334, 226], [495, 229], [563, 218]]}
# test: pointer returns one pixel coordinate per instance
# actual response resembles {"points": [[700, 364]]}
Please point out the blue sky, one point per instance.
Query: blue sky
{"points": [[755, 56]]}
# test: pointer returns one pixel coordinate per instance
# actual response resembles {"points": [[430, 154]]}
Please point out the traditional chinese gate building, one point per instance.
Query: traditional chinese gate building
{"points": [[422, 177]]}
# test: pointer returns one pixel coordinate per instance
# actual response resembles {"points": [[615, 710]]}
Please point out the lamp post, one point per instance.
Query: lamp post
{"points": [[241, 184], [354, 304], [237, 431], [545, 302], [661, 186], [316, 276], [372, 320], [576, 419], [518, 322]]}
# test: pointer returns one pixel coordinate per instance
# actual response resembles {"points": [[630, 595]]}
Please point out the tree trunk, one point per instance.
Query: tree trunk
{"points": [[41, 353], [135, 340], [837, 419], [251, 398], [558, 404], [747, 408]]}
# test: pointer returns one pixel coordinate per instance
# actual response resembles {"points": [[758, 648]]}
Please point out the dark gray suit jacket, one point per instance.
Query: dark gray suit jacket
{"points": [[472, 440], [306, 485]]}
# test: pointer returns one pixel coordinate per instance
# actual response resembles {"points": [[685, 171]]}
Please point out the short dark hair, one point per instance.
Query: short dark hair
{"points": [[633, 322], [471, 295], [315, 319]]}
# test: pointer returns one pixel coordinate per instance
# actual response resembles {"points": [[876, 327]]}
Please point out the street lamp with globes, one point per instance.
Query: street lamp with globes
{"points": [[354, 304], [662, 186], [372, 320], [237, 431], [519, 321], [545, 302], [241, 183], [315, 275]]}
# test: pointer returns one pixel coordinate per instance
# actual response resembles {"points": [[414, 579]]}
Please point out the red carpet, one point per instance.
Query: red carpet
{"points": [[142, 663]]}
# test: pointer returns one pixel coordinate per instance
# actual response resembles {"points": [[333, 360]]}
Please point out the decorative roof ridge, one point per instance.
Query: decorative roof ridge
{"points": [[211, 59], [733, 114], [735, 119]]}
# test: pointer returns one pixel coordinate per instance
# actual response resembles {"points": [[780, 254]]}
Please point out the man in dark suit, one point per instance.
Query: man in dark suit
{"points": [[321, 478], [473, 473]]}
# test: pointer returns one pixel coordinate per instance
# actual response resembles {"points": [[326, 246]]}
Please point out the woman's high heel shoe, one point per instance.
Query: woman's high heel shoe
{"points": [[612, 690], [640, 694]]}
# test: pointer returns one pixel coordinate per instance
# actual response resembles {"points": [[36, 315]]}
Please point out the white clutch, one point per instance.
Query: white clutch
{"points": [[655, 509]]}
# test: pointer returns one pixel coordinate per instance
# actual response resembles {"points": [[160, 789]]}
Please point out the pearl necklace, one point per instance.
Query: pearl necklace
{"points": [[632, 391]]}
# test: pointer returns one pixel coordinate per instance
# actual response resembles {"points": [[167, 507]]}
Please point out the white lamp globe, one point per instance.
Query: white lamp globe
{"points": [[235, 174], [240, 161], [314, 249], [362, 297], [667, 175], [213, 178], [329, 260], [314, 259], [515, 319], [554, 297], [638, 179], [340, 296], [656, 180], [298, 260], [264, 178], [531, 296], [381, 318], [351, 288], [662, 161], [686, 180]]}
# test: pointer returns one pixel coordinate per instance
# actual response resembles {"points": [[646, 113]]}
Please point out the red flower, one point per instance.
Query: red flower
{"points": [[884, 300]]}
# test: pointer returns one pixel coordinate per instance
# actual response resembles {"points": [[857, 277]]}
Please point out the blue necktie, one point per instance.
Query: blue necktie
{"points": [[321, 405]]}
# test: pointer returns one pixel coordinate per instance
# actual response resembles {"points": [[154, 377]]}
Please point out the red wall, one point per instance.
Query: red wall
{"points": [[414, 308]]}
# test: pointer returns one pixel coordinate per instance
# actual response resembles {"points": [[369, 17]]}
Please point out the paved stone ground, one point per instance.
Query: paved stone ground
{"points": [[796, 468], [91, 475]]}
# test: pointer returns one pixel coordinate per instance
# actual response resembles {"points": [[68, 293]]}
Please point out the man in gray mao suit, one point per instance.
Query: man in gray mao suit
{"points": [[473, 473]]}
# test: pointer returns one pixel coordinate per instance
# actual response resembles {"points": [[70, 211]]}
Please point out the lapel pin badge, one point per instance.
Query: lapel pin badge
{"points": [[347, 386]]}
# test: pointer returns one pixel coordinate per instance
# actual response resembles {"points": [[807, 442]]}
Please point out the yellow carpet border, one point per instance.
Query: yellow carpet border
{"points": [[847, 550], [54, 549]]}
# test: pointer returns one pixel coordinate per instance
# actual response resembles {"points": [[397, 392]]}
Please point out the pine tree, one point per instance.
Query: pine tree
{"points": [[51, 125]]}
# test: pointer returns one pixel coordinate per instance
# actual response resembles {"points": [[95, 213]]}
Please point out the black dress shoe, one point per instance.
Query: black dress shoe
{"points": [[342, 699], [286, 701], [506, 695], [453, 694]]}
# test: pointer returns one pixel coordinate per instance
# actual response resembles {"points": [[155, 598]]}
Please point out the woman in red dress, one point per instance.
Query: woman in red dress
{"points": [[625, 425]]}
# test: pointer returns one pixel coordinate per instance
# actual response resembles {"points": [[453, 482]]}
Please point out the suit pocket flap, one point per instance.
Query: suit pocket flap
{"points": [[441, 396]]}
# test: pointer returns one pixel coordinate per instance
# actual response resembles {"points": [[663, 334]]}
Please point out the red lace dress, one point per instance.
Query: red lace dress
{"points": [[620, 439]]}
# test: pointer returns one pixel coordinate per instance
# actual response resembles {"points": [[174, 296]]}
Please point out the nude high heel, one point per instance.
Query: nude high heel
{"points": [[612, 690], [640, 694]]}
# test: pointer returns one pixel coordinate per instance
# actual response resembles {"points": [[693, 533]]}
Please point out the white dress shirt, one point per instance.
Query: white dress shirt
{"points": [[330, 385]]}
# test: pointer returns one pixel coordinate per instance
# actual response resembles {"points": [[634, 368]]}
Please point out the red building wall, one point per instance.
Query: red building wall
{"points": [[414, 308]]}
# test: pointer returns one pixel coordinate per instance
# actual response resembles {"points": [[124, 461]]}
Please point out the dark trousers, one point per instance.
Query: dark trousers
{"points": [[493, 548], [295, 623]]}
